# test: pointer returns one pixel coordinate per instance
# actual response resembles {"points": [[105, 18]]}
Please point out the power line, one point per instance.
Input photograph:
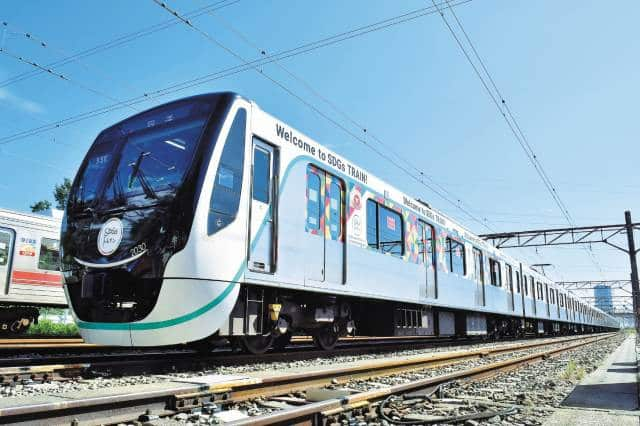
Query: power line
{"points": [[119, 41], [214, 41], [55, 74], [361, 127], [284, 54], [512, 122]]}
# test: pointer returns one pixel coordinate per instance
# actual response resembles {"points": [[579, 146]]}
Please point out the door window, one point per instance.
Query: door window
{"points": [[336, 195], [479, 265], [261, 175], [6, 245], [313, 201]]}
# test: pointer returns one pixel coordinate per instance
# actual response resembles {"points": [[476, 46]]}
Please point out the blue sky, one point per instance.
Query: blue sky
{"points": [[569, 71]]}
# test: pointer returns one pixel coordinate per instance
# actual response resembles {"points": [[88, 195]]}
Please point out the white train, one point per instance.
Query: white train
{"points": [[207, 218], [29, 268]]}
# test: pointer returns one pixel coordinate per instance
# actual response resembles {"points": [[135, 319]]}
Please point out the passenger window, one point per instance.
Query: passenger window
{"points": [[335, 209], [384, 229], [517, 282], [495, 273], [49, 258], [261, 175], [533, 288], [456, 256], [6, 243], [390, 231], [227, 186], [524, 285], [313, 200], [478, 265]]}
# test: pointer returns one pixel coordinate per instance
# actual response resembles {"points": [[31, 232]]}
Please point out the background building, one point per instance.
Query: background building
{"points": [[604, 301]]}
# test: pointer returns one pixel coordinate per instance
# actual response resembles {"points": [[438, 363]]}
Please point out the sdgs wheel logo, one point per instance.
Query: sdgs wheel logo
{"points": [[110, 236]]}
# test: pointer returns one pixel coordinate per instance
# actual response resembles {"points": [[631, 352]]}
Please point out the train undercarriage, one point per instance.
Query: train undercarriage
{"points": [[265, 318]]}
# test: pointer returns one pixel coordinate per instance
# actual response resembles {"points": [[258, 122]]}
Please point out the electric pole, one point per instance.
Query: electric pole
{"points": [[635, 286]]}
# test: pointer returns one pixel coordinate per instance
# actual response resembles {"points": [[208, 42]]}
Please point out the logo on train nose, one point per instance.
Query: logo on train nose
{"points": [[110, 236]]}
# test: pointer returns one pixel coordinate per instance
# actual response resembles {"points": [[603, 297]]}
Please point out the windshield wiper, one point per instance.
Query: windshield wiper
{"points": [[137, 173]]}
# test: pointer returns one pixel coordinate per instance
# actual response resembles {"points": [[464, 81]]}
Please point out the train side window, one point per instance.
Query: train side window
{"points": [[495, 273], [384, 229], [313, 200], [479, 265], [509, 277], [456, 255], [6, 244], [524, 285], [49, 259], [517, 282], [390, 233], [227, 185]]}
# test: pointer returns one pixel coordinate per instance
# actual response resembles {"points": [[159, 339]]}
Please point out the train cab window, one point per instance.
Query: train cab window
{"points": [[478, 263], [495, 273], [456, 256], [426, 241], [227, 186], [384, 229], [313, 200], [509, 277], [261, 176], [49, 258]]}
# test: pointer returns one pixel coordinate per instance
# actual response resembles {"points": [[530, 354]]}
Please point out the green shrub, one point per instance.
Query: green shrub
{"points": [[50, 328]]}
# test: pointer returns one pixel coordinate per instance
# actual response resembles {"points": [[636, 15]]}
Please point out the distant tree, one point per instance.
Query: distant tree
{"points": [[61, 193], [40, 206]]}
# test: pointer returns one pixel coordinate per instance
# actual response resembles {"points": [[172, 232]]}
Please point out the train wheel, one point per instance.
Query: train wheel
{"points": [[325, 338], [257, 345], [282, 341]]}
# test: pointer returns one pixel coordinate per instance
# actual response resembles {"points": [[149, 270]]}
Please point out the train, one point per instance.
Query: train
{"points": [[208, 220], [30, 276]]}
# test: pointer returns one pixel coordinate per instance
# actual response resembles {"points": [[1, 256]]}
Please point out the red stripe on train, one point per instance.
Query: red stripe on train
{"points": [[37, 278]]}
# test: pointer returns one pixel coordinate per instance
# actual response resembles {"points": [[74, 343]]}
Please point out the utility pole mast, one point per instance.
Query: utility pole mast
{"points": [[635, 286]]}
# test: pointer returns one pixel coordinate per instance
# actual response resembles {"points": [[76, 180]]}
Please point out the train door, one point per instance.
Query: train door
{"points": [[334, 230], [325, 221], [478, 262], [7, 239], [262, 225], [546, 293], [534, 308], [510, 295], [427, 255]]}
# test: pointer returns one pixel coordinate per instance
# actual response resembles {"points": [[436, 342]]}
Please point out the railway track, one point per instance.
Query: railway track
{"points": [[183, 395], [71, 359]]}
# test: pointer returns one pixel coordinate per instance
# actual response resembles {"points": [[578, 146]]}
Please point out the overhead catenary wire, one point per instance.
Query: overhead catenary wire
{"points": [[366, 131], [57, 75], [229, 71], [510, 121], [305, 102], [110, 44]]}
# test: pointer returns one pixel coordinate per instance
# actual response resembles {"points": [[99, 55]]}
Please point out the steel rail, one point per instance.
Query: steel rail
{"points": [[184, 396], [336, 406]]}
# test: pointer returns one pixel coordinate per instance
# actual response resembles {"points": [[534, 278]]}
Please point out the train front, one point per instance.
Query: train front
{"points": [[129, 262]]}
